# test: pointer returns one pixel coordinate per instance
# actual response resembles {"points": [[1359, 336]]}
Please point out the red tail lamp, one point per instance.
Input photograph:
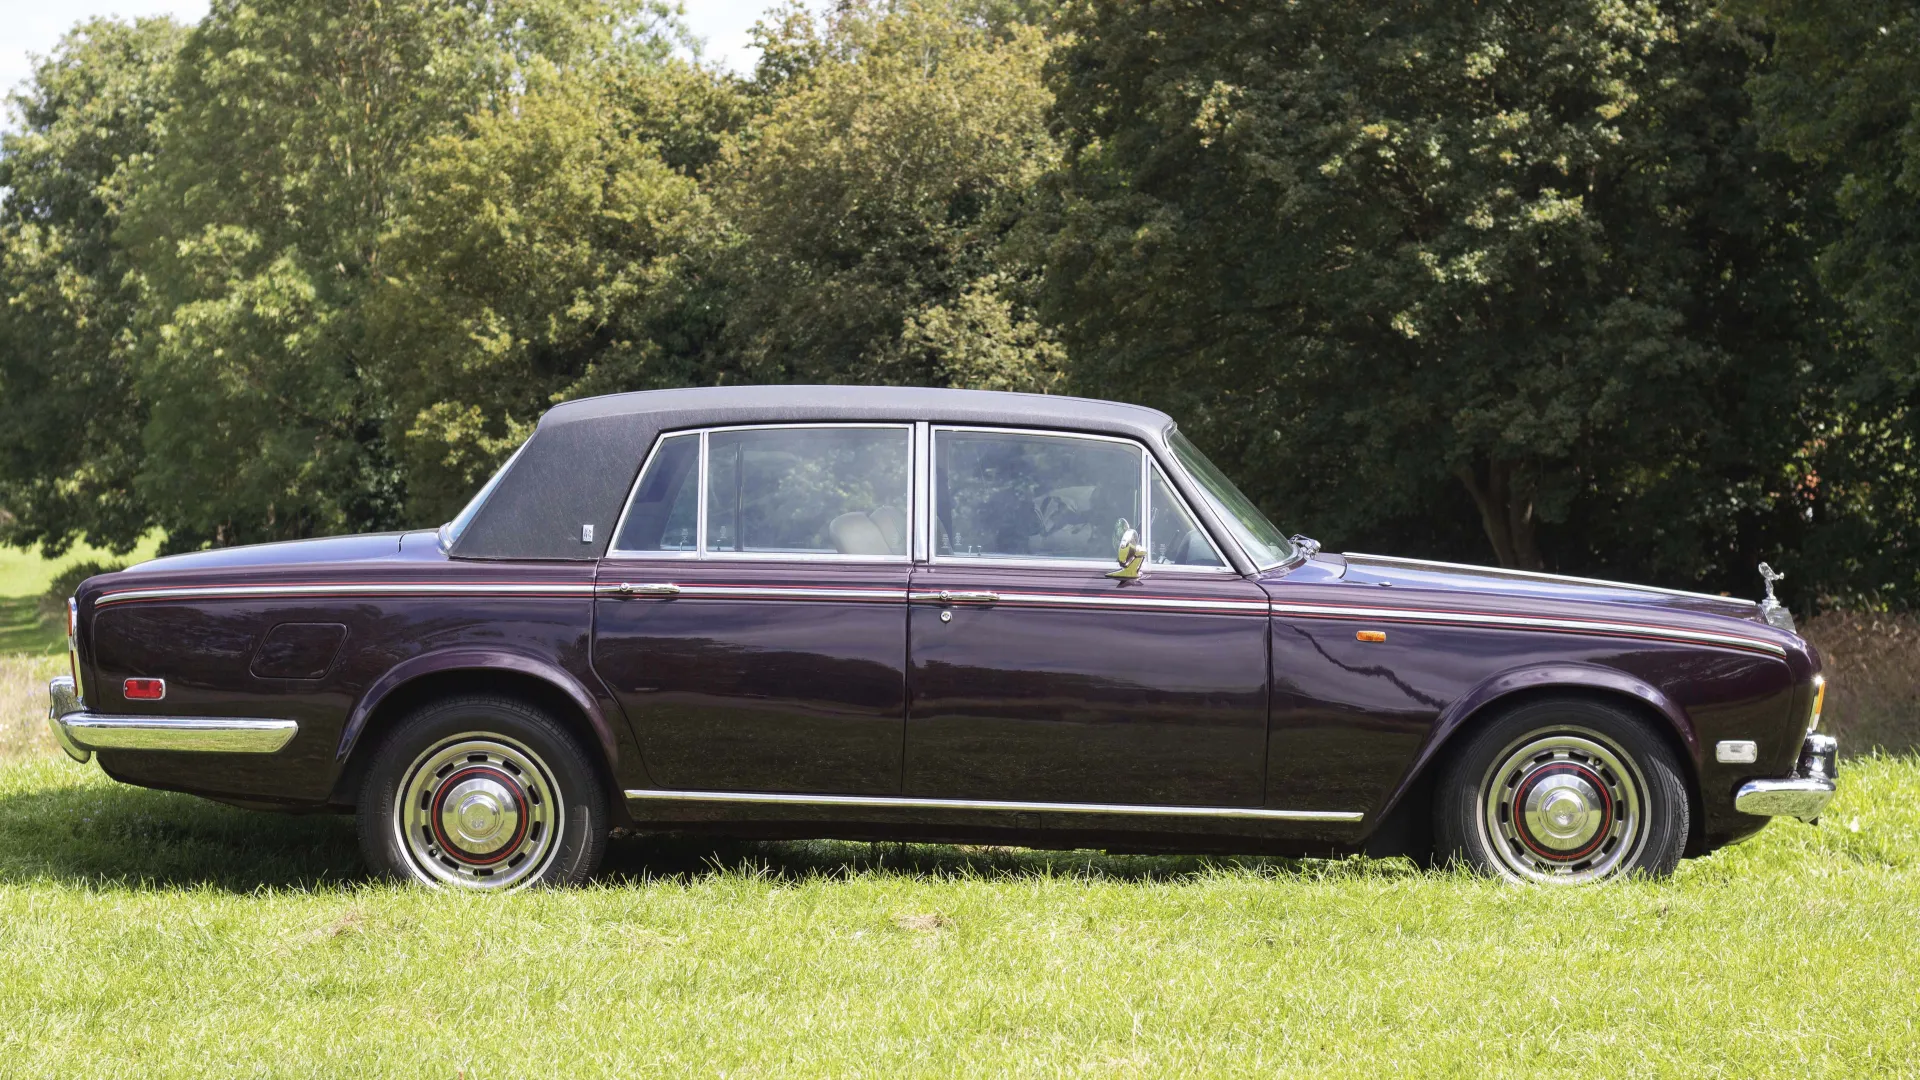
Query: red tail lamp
{"points": [[146, 689]]}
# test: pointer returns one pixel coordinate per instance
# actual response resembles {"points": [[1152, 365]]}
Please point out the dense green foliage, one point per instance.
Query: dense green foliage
{"points": [[1592, 287]]}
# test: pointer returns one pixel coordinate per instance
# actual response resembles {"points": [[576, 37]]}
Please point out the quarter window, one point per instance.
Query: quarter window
{"points": [[813, 491], [663, 514], [1031, 496]]}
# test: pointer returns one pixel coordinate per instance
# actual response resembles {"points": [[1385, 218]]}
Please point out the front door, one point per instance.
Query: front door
{"points": [[1035, 677], [751, 616]]}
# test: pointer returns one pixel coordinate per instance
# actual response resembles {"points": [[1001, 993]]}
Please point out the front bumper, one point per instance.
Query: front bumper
{"points": [[1804, 794], [80, 733]]}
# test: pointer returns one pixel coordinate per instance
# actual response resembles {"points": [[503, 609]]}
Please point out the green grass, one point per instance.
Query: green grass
{"points": [[155, 934], [25, 575]]}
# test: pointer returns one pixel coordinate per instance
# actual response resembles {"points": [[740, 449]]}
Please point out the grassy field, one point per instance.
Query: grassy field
{"points": [[150, 934], [24, 575]]}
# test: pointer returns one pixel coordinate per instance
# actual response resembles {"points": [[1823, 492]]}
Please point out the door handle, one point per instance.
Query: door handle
{"points": [[627, 589], [968, 597]]}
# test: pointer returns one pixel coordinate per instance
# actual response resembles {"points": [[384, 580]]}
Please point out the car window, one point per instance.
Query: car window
{"points": [[662, 516], [1174, 538], [1030, 496], [815, 491]]}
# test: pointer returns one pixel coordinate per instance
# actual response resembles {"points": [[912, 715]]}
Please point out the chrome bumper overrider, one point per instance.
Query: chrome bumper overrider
{"points": [[1804, 794], [80, 733]]}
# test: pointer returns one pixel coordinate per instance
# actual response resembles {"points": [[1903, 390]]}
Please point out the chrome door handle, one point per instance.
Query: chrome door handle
{"points": [[968, 597], [626, 589]]}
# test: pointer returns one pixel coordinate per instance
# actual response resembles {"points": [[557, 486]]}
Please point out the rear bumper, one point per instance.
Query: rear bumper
{"points": [[1804, 794], [80, 733]]}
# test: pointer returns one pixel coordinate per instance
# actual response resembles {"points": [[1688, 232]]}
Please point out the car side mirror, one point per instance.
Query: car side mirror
{"points": [[1130, 555]]}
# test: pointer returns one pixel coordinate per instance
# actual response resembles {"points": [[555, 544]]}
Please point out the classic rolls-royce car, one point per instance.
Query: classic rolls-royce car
{"points": [[942, 615]]}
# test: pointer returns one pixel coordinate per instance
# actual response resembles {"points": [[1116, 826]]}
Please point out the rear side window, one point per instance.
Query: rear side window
{"points": [[809, 491], [1032, 496]]}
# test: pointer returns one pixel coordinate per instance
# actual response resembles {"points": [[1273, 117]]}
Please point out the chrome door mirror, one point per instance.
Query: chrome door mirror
{"points": [[1130, 555]]}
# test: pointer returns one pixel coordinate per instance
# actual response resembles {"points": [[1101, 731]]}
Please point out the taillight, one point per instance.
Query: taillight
{"points": [[146, 689]]}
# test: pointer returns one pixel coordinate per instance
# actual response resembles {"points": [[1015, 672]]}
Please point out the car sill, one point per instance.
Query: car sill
{"points": [[904, 802]]}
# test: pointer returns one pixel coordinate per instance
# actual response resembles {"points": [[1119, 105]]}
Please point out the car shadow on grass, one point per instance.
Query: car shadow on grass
{"points": [[681, 857], [113, 836]]}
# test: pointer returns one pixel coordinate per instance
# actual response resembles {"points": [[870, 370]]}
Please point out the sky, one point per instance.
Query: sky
{"points": [[34, 27]]}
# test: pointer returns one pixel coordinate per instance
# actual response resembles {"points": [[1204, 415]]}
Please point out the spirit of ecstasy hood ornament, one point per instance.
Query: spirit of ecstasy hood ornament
{"points": [[1771, 608]]}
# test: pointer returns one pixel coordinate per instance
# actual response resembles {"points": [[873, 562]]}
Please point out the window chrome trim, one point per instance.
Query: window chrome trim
{"points": [[908, 802], [700, 552], [922, 519], [934, 558]]}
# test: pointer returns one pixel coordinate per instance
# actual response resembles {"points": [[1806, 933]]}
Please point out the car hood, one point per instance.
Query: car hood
{"points": [[1420, 574]]}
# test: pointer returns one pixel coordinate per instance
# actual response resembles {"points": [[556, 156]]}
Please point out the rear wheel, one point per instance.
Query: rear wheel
{"points": [[482, 793], [1563, 791]]}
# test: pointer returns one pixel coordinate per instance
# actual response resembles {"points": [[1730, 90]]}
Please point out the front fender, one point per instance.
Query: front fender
{"points": [[477, 659], [1534, 677]]}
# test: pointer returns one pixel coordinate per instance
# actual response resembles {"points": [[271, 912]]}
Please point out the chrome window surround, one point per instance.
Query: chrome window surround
{"points": [[1145, 526], [921, 514], [700, 552]]}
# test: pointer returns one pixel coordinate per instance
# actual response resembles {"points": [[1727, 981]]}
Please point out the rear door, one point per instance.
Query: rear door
{"points": [[751, 615]]}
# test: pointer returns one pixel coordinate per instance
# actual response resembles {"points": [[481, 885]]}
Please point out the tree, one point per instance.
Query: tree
{"points": [[540, 255], [262, 225], [1839, 95], [70, 420], [1527, 253], [872, 204]]}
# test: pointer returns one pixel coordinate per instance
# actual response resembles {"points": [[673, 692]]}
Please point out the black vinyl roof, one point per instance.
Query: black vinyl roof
{"points": [[583, 457]]}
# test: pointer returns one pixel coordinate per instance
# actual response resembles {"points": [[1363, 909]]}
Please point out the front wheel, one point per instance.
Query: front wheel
{"points": [[482, 793], [1563, 791]]}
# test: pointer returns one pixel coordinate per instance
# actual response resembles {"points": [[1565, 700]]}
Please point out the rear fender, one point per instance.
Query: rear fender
{"points": [[485, 659]]}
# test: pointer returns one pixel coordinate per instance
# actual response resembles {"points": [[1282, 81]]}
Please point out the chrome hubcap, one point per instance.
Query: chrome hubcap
{"points": [[478, 811], [1563, 807]]}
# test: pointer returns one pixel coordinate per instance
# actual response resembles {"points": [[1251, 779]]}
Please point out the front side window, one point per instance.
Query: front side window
{"points": [[1030, 496], [1263, 542], [812, 491]]}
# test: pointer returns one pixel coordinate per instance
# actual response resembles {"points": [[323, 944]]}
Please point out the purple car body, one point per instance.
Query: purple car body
{"points": [[1295, 707]]}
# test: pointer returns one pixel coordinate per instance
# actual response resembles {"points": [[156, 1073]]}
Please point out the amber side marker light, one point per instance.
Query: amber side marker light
{"points": [[1370, 635], [1819, 702]]}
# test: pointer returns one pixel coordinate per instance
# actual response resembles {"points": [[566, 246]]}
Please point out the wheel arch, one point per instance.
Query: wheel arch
{"points": [[438, 675], [1399, 814]]}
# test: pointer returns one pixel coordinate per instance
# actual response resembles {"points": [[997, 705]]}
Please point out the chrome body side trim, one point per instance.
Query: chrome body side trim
{"points": [[1156, 603], [203, 734], [755, 592], [904, 802], [1538, 576], [437, 588], [1532, 622]]}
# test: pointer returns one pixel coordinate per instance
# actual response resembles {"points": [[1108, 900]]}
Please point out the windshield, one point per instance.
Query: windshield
{"points": [[450, 532], [1265, 544]]}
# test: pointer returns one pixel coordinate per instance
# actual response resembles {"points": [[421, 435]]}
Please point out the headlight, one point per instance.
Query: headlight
{"points": [[1819, 702]]}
